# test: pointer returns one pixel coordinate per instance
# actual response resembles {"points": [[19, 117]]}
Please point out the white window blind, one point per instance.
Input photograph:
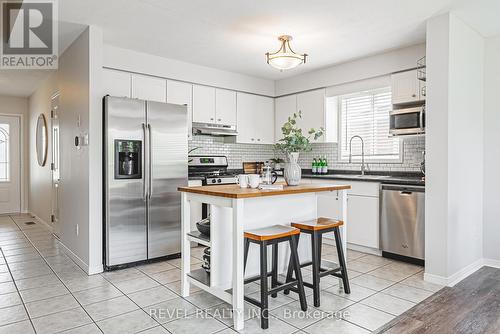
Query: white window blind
{"points": [[366, 114]]}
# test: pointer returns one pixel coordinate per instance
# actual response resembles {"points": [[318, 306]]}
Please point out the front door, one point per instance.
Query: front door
{"points": [[10, 165]]}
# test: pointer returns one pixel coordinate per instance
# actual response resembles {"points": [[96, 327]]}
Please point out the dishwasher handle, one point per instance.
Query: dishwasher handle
{"points": [[403, 190]]}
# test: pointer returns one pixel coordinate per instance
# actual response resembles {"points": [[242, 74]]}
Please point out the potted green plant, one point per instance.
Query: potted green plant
{"points": [[292, 143]]}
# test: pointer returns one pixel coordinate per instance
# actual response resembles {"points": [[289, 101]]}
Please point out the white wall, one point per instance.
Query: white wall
{"points": [[491, 228], [133, 61], [436, 194], [73, 84], [95, 150], [465, 134], [360, 69], [80, 184], [454, 192], [40, 177], [12, 105]]}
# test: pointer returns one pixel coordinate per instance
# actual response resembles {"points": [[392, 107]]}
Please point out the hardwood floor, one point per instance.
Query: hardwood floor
{"points": [[472, 306]]}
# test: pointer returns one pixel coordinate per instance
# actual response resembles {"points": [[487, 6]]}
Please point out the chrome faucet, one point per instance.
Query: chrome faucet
{"points": [[362, 153]]}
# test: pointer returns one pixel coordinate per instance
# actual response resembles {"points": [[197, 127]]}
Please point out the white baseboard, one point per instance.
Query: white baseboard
{"points": [[49, 226], [492, 263], [456, 277], [75, 258]]}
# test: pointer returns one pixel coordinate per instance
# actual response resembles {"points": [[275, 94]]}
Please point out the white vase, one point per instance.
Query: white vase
{"points": [[293, 172]]}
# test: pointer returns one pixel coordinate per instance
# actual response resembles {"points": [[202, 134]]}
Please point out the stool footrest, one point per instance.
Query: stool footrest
{"points": [[253, 301], [282, 286], [256, 278], [326, 272]]}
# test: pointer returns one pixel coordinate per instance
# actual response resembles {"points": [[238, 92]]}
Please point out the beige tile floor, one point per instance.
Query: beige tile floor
{"points": [[44, 291]]}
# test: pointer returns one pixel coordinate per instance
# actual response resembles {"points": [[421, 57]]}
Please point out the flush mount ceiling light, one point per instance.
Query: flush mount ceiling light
{"points": [[285, 58]]}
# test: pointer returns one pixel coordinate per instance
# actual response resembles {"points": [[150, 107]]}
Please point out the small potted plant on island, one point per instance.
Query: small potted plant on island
{"points": [[292, 143]]}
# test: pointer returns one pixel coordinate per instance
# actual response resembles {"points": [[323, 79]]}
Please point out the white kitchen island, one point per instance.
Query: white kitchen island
{"points": [[234, 210]]}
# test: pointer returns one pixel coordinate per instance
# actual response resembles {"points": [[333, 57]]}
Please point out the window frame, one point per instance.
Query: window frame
{"points": [[357, 158]]}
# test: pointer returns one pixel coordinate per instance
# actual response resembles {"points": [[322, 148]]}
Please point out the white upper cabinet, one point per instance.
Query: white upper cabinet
{"points": [[116, 83], [182, 93], [203, 104], [255, 119], [312, 106], [284, 107], [225, 107], [406, 88], [265, 120], [149, 88]]}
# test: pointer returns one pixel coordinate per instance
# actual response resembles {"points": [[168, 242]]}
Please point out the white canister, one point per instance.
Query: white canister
{"points": [[242, 180], [254, 180]]}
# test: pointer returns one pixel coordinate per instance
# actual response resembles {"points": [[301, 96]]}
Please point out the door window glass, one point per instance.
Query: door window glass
{"points": [[4, 152]]}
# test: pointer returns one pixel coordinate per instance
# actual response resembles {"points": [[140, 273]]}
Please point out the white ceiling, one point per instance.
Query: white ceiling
{"points": [[234, 35]]}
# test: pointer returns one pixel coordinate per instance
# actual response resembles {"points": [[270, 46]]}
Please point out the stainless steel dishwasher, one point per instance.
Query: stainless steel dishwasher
{"points": [[402, 222]]}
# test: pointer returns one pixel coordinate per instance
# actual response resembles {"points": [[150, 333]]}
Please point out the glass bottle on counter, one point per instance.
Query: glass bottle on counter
{"points": [[325, 166], [314, 168], [320, 165]]}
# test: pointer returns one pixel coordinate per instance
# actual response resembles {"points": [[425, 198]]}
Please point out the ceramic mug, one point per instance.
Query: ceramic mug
{"points": [[254, 180], [242, 180]]}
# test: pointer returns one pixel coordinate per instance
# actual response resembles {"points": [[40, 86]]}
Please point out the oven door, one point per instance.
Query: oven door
{"points": [[407, 121]]}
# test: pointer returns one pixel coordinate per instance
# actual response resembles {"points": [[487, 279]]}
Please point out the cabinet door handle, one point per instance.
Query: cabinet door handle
{"points": [[413, 95], [211, 118], [219, 119], [258, 139], [252, 139]]}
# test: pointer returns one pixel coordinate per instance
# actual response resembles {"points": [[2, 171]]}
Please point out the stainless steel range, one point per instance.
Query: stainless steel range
{"points": [[214, 171]]}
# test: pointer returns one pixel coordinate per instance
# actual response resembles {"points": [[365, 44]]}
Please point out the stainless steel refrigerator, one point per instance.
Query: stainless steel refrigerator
{"points": [[145, 154]]}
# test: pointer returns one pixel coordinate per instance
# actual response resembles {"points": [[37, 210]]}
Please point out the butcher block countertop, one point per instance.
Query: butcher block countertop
{"points": [[234, 191]]}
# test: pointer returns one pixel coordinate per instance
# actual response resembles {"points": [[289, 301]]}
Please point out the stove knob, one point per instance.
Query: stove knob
{"points": [[219, 181], [213, 181]]}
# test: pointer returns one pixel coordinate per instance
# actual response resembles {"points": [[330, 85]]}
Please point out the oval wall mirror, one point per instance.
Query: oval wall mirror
{"points": [[41, 140]]}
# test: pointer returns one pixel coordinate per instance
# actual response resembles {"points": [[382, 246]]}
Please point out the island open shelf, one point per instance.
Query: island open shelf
{"points": [[200, 238]]}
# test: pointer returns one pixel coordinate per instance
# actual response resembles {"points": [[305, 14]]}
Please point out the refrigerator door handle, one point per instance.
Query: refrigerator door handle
{"points": [[144, 188], [150, 144]]}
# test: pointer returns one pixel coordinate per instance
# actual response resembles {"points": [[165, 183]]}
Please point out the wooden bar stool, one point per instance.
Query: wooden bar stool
{"points": [[264, 237], [316, 228]]}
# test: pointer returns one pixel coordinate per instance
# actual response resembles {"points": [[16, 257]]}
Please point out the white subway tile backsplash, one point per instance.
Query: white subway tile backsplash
{"points": [[238, 153]]}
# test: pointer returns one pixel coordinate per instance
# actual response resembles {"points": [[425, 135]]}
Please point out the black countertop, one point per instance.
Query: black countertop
{"points": [[414, 179], [404, 178]]}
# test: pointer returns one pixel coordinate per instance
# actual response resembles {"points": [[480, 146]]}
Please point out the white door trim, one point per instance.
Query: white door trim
{"points": [[22, 180]]}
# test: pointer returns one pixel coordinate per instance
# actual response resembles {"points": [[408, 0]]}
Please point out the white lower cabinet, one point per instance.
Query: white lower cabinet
{"points": [[362, 211], [363, 220]]}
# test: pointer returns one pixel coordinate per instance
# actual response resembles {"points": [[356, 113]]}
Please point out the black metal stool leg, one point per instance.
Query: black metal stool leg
{"points": [[316, 260], [289, 273], [340, 254], [264, 308], [298, 274], [274, 276], [245, 257]]}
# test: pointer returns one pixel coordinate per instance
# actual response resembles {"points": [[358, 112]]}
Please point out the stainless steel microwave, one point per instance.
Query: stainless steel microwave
{"points": [[407, 121]]}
